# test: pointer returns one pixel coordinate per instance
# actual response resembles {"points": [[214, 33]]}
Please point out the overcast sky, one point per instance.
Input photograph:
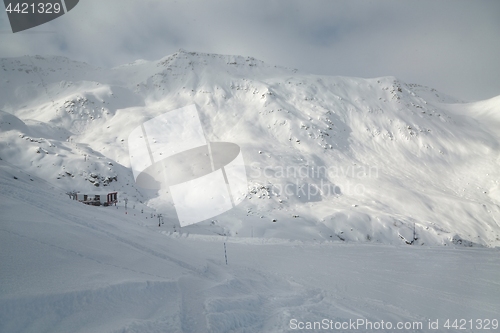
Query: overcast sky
{"points": [[453, 46]]}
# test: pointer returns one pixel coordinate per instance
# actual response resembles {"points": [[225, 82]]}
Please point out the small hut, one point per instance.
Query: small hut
{"points": [[98, 199]]}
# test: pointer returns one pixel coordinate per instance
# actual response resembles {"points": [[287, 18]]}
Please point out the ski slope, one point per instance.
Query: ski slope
{"points": [[67, 267]]}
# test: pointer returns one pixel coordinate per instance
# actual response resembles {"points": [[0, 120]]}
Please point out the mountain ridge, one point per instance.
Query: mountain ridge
{"points": [[437, 165]]}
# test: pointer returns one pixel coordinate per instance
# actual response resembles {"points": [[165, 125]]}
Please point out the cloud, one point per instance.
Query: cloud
{"points": [[453, 46]]}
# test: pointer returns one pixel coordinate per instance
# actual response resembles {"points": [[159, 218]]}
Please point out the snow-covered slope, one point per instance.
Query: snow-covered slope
{"points": [[328, 158], [67, 267]]}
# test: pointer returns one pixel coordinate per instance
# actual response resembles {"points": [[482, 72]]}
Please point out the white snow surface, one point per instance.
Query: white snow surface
{"points": [[397, 164]]}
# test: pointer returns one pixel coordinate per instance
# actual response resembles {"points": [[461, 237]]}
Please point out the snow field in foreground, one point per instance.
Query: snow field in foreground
{"points": [[67, 267]]}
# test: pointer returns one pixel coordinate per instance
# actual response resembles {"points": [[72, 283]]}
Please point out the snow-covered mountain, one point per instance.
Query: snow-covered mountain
{"points": [[396, 163], [328, 158]]}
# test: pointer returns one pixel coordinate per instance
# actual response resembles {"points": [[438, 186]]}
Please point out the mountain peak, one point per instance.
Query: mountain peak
{"points": [[235, 64]]}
